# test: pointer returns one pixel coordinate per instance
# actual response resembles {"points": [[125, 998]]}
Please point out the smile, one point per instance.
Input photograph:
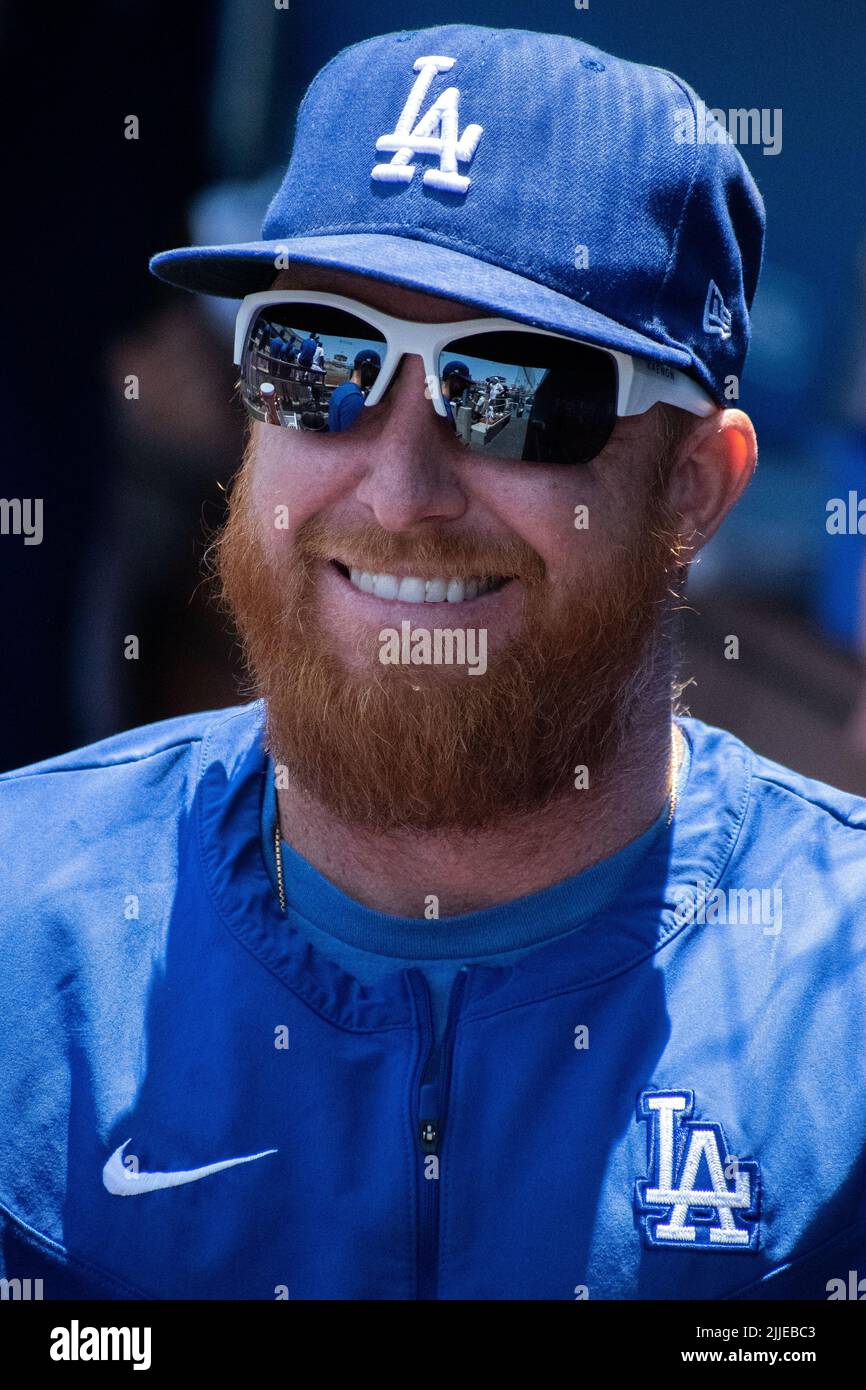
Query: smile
{"points": [[411, 588]]}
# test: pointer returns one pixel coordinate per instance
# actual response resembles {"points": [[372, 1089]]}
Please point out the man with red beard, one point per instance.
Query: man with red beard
{"points": [[417, 976], [581, 665]]}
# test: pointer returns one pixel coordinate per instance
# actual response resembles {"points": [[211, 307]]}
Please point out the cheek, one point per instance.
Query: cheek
{"points": [[565, 519], [293, 479]]}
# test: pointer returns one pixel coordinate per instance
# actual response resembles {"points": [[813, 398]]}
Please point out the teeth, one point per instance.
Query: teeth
{"points": [[362, 580], [413, 589], [436, 590], [386, 585]]}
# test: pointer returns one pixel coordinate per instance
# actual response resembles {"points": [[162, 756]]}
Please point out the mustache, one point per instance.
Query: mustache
{"points": [[458, 555]]}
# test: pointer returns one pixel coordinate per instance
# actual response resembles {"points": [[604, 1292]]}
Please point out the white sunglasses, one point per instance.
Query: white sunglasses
{"points": [[316, 361]]}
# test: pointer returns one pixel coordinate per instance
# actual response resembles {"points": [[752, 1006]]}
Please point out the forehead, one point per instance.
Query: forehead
{"points": [[378, 294]]}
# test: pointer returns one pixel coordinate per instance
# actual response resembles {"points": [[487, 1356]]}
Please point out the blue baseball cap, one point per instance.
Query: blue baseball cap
{"points": [[456, 369], [528, 175], [367, 355]]}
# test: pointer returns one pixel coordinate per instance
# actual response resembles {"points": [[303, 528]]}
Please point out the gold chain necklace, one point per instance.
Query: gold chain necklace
{"points": [[281, 888], [278, 849], [675, 776]]}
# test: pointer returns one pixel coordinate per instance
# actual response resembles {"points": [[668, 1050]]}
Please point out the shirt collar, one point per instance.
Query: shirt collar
{"points": [[695, 848]]}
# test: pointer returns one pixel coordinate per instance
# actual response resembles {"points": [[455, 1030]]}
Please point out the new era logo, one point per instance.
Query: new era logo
{"points": [[717, 315]]}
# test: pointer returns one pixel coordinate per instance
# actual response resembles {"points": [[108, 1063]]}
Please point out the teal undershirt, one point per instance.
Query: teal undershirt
{"points": [[370, 944]]}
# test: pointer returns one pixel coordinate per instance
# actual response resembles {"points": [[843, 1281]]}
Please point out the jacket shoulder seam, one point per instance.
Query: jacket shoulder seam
{"points": [[50, 767], [821, 807]]}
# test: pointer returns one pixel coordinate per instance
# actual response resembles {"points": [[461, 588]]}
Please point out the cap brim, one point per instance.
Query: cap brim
{"points": [[247, 267]]}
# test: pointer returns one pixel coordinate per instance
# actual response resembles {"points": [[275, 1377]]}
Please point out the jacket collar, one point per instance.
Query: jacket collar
{"points": [[695, 849]]}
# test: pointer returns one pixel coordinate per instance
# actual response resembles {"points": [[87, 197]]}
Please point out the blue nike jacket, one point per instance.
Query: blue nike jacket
{"points": [[669, 1102]]}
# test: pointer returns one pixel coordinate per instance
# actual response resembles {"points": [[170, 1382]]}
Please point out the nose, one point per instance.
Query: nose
{"points": [[410, 477]]}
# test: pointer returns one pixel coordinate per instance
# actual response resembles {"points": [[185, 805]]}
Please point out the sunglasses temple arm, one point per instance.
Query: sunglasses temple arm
{"points": [[647, 384]]}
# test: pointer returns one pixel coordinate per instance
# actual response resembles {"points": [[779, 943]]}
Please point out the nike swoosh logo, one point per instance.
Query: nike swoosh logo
{"points": [[120, 1182]]}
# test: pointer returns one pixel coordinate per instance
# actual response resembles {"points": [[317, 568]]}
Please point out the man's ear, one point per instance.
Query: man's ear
{"points": [[714, 465]]}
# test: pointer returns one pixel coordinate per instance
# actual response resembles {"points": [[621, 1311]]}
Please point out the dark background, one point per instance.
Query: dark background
{"points": [[131, 490]]}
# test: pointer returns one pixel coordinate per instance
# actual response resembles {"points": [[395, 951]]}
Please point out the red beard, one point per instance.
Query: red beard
{"points": [[454, 752]]}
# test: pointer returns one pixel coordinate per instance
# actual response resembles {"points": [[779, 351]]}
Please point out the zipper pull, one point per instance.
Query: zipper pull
{"points": [[429, 1118]]}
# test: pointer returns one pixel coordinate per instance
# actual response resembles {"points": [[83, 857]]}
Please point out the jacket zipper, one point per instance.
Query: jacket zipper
{"points": [[430, 1107]]}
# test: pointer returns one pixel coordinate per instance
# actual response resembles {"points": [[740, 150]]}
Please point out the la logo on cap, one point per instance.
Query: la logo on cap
{"points": [[434, 133]]}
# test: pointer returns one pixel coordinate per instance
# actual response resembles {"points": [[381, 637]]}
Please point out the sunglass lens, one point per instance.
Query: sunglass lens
{"points": [[525, 397], [308, 367]]}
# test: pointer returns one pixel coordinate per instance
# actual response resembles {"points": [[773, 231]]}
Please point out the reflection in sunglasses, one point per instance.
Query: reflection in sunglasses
{"points": [[300, 379], [512, 396]]}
